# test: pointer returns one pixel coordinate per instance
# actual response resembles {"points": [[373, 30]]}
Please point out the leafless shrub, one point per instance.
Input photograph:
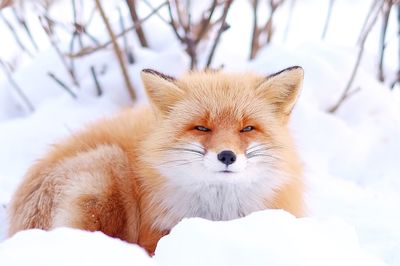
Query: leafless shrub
{"points": [[328, 18], [192, 34], [138, 26], [387, 8], [117, 51], [262, 34], [347, 91]]}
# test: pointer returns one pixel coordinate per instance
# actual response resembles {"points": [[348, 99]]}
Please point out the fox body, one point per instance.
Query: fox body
{"points": [[210, 144]]}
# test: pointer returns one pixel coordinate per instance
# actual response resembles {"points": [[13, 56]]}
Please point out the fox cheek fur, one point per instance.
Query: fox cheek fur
{"points": [[211, 145]]}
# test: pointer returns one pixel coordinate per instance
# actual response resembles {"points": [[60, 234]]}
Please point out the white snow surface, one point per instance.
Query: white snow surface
{"points": [[271, 237], [351, 158], [66, 246]]}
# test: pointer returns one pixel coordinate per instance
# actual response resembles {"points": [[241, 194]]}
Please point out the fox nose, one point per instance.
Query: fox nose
{"points": [[227, 157]]}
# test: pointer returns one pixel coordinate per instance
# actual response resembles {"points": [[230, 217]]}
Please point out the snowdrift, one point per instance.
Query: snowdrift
{"points": [[271, 237]]}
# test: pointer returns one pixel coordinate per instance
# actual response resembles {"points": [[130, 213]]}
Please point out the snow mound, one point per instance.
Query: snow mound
{"points": [[3, 222], [65, 246], [271, 237]]}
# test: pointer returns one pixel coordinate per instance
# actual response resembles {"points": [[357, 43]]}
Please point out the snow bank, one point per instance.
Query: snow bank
{"points": [[66, 246], [271, 237], [3, 222]]}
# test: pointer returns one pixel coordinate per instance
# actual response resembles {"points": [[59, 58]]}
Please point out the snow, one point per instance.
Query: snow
{"points": [[269, 237], [351, 158], [83, 248]]}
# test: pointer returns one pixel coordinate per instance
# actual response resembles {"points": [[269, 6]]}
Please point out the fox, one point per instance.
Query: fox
{"points": [[208, 144]]}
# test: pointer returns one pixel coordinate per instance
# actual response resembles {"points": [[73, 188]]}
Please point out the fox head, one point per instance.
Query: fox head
{"points": [[217, 127]]}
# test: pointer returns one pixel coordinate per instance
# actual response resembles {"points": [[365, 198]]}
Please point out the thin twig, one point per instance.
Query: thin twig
{"points": [[367, 19], [90, 50], [346, 91], [173, 23], [191, 46], [62, 85], [127, 50], [222, 28], [386, 13], [179, 13], [328, 18], [76, 34], [267, 28], [78, 29], [49, 32], [16, 87], [15, 35], [96, 81], [91, 16], [205, 23], [21, 20], [397, 80], [156, 13], [136, 21], [117, 51], [254, 36]]}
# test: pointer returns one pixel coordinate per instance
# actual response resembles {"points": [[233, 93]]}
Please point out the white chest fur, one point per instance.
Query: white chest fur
{"points": [[215, 201], [194, 186]]}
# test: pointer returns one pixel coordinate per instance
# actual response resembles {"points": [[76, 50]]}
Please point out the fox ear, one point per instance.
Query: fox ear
{"points": [[282, 88], [161, 89]]}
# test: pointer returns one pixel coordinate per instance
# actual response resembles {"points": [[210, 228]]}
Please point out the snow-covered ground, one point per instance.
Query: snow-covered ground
{"points": [[351, 158]]}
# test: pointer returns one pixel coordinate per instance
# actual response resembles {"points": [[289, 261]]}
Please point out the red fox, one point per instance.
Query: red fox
{"points": [[210, 144]]}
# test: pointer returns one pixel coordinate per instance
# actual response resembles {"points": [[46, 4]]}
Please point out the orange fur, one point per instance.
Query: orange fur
{"points": [[122, 175]]}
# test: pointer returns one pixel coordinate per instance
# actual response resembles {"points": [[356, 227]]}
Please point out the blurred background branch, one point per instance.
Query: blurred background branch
{"points": [[198, 36]]}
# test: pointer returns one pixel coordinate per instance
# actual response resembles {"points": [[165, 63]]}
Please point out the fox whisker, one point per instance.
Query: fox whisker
{"points": [[187, 150], [260, 148], [173, 161], [256, 146], [195, 145], [254, 155]]}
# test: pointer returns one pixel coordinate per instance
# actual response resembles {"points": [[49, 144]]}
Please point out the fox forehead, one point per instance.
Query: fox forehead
{"points": [[219, 85], [221, 99]]}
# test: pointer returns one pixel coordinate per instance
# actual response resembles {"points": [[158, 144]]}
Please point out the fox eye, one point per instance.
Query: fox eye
{"points": [[247, 129], [201, 128]]}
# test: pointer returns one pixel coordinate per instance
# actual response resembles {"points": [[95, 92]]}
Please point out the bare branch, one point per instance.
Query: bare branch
{"points": [[328, 18], [62, 85], [205, 23], [47, 27], [96, 81], [222, 28], [117, 51], [173, 23], [267, 28], [155, 11], [21, 20], [127, 50], [254, 38], [387, 7], [397, 80], [139, 31], [89, 50], [15, 35], [373, 7], [346, 93], [16, 87]]}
